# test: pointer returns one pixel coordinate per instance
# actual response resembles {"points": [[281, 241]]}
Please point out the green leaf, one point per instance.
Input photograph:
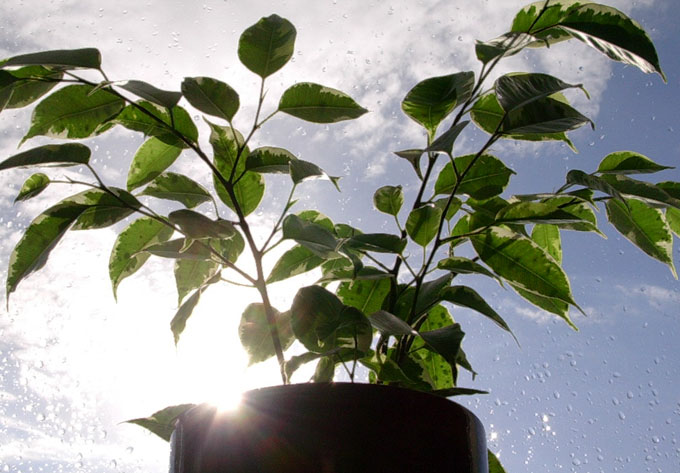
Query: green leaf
{"points": [[640, 189], [494, 464], [211, 96], [442, 375], [673, 220], [269, 159], [148, 92], [196, 225], [41, 236], [522, 262], [453, 209], [547, 236], [310, 235], [367, 295], [67, 154], [267, 46], [29, 84], [549, 304], [429, 296], [645, 227], [255, 333], [517, 90], [487, 114], [422, 224], [629, 162], [162, 423], [464, 296], [303, 170], [484, 178], [150, 160], [390, 324], [536, 212], [460, 265], [389, 199], [318, 104], [412, 156], [179, 321], [378, 242], [74, 112], [445, 341], [321, 321], [505, 45], [602, 27], [432, 100], [317, 217], [579, 208], [444, 143], [179, 188], [297, 260], [105, 209], [192, 274], [154, 120], [33, 186], [576, 176], [249, 191], [86, 58], [126, 259]]}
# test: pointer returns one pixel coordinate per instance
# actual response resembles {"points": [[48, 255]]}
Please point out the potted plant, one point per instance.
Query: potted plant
{"points": [[374, 306]]}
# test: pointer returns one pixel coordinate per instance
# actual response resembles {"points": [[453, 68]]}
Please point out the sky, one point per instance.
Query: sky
{"points": [[75, 364]]}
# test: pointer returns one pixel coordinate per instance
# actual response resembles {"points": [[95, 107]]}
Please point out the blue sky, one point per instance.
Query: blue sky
{"points": [[74, 364]]}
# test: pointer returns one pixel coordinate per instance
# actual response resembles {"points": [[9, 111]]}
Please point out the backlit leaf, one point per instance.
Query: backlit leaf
{"points": [[506, 45], [269, 159], [256, 336], [86, 58], [154, 120], [192, 274], [150, 160], [628, 162], [33, 186], [267, 46], [297, 260], [67, 154], [151, 93], [196, 225], [422, 224], [547, 236], [318, 104], [179, 188], [367, 295], [310, 235], [162, 423], [389, 199], [29, 84], [517, 90], [211, 96], [487, 177]]}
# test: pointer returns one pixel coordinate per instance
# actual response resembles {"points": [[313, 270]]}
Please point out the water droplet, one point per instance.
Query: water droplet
{"points": [[622, 416]]}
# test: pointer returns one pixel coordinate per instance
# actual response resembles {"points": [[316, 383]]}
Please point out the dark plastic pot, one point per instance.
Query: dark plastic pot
{"points": [[331, 428]]}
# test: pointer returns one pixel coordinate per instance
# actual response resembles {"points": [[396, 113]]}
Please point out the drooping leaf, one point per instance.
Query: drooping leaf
{"points": [[310, 235], [549, 304], [604, 28], [39, 239], [28, 84], [422, 224], [297, 260], [579, 208], [367, 295], [86, 58], [628, 162], [256, 335], [151, 93], [211, 96], [267, 46], [389, 199], [429, 296], [444, 143], [522, 262], [431, 100], [73, 112], [536, 212], [33, 186], [576, 176], [179, 321], [547, 236], [412, 156], [154, 120], [484, 178], [67, 154], [179, 188], [192, 274], [517, 90], [318, 104], [126, 256], [269, 159], [150, 160], [446, 341], [645, 227], [162, 423], [487, 114], [467, 297], [198, 226]]}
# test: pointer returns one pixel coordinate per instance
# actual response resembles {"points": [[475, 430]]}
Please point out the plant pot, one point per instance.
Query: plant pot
{"points": [[331, 428]]}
